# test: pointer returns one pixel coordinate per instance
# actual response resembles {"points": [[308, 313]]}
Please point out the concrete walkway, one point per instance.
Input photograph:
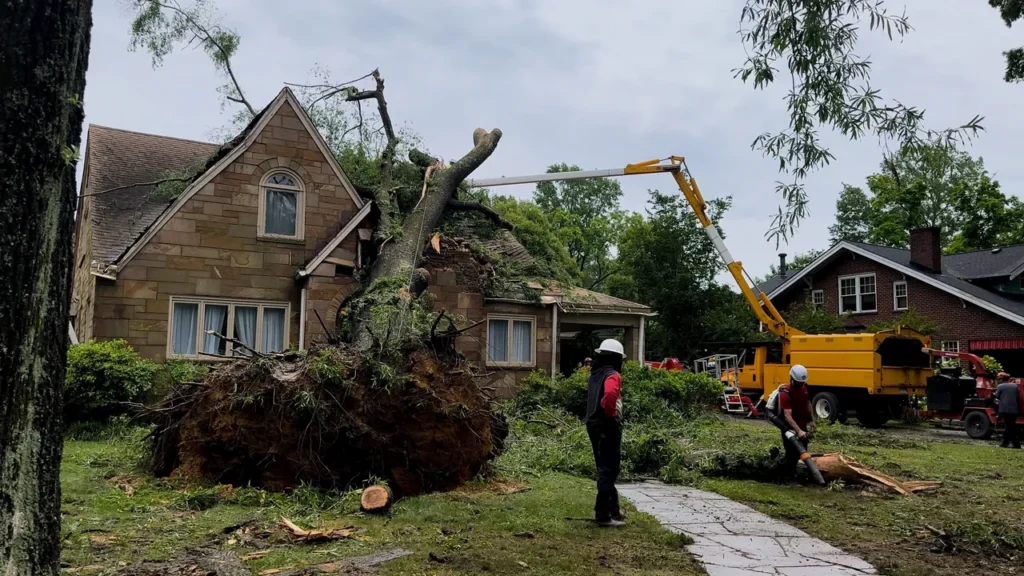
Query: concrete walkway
{"points": [[731, 539]]}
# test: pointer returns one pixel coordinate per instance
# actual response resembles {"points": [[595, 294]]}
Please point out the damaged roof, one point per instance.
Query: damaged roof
{"points": [[505, 244], [121, 158], [580, 300]]}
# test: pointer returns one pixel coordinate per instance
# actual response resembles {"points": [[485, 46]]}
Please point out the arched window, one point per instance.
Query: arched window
{"points": [[282, 205]]}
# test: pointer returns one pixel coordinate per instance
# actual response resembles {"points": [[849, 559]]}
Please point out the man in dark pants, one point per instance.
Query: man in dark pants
{"points": [[1007, 397], [604, 426], [789, 409]]}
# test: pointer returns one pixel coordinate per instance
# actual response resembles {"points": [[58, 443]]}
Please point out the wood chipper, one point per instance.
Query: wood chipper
{"points": [[965, 399], [872, 374]]}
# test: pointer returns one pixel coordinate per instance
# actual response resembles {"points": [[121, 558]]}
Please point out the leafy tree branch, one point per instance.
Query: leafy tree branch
{"points": [[815, 42]]}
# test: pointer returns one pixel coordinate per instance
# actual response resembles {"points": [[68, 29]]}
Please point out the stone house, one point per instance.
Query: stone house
{"points": [[260, 243], [976, 299]]}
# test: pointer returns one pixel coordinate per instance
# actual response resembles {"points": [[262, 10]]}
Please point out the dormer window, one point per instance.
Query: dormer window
{"points": [[282, 204]]}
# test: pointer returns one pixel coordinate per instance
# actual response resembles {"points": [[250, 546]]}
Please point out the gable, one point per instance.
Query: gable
{"points": [[280, 135]]}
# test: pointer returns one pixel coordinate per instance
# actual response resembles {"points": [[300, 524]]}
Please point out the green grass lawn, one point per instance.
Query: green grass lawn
{"points": [[473, 530], [981, 503]]}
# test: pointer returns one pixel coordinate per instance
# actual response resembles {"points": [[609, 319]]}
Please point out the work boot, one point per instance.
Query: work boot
{"points": [[611, 523]]}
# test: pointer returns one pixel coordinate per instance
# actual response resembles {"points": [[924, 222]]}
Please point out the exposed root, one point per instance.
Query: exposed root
{"points": [[330, 418]]}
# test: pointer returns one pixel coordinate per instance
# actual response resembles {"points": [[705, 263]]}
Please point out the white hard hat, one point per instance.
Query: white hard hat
{"points": [[798, 373], [611, 346]]}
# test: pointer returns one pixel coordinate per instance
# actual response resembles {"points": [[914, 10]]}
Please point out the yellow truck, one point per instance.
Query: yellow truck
{"points": [[872, 374]]}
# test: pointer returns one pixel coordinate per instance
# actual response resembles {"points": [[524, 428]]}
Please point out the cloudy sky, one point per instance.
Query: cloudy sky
{"points": [[583, 82]]}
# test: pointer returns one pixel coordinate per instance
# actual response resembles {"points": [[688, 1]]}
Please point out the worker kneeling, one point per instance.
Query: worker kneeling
{"points": [[604, 426], [789, 409]]}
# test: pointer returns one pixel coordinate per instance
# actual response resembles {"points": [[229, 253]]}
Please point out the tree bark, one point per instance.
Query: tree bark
{"points": [[44, 49], [402, 254]]}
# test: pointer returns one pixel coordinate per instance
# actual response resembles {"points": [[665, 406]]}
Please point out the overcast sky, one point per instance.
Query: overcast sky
{"points": [[584, 82]]}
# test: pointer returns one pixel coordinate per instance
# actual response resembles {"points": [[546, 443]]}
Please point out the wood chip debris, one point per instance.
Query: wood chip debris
{"points": [[318, 535]]}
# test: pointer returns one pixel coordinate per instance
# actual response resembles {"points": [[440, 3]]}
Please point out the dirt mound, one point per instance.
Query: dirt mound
{"points": [[332, 419]]}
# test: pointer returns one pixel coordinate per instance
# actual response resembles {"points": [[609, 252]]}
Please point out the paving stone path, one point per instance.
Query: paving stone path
{"points": [[731, 539]]}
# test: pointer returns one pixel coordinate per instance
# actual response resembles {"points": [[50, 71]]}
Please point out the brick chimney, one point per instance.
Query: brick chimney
{"points": [[926, 248]]}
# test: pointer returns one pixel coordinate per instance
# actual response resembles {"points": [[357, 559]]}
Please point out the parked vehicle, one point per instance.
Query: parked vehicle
{"points": [[873, 374], [967, 399]]}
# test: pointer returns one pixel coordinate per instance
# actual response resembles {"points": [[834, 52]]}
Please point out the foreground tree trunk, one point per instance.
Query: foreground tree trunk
{"points": [[44, 49]]}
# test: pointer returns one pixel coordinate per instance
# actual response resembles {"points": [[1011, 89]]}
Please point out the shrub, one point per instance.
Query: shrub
{"points": [[659, 406], [646, 394], [101, 376]]}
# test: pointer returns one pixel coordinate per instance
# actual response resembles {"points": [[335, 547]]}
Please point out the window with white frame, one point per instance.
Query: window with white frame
{"points": [[510, 341], [900, 297], [950, 346], [262, 326], [857, 294], [282, 205], [818, 297]]}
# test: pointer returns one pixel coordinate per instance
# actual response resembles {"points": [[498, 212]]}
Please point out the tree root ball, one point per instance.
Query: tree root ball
{"points": [[333, 419]]}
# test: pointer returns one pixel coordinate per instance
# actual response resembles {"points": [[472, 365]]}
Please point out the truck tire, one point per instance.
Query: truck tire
{"points": [[978, 426], [825, 406]]}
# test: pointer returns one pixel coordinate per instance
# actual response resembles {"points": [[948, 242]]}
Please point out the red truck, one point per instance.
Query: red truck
{"points": [[965, 399]]}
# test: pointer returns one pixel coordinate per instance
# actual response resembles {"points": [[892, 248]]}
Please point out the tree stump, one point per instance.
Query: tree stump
{"points": [[376, 499]]}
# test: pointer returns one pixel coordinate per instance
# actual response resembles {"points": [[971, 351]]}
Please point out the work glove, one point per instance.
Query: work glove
{"points": [[618, 409]]}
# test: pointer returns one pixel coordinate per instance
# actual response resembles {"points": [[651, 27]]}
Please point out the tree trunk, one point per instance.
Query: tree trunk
{"points": [[44, 48], [375, 499], [402, 255]]}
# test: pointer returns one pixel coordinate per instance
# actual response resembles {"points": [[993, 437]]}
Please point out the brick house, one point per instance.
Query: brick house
{"points": [[262, 245], [975, 298]]}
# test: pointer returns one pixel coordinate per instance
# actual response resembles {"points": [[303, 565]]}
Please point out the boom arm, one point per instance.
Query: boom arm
{"points": [[676, 166]]}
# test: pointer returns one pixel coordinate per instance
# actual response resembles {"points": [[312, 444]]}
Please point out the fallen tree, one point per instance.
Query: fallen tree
{"points": [[387, 396]]}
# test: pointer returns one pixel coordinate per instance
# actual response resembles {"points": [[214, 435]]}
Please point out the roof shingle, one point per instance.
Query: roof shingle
{"points": [[121, 158]]}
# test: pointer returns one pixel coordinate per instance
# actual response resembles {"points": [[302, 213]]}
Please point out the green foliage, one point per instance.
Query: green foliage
{"points": [[395, 319], [667, 262], [930, 185], [991, 364], [1011, 11], [173, 182], [909, 319], [537, 232], [185, 370], [587, 219], [70, 155], [101, 376], [852, 210], [327, 365], [661, 396], [816, 42], [807, 317], [158, 27]]}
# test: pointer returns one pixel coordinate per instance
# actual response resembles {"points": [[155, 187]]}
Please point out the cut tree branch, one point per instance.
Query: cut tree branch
{"points": [[382, 107], [138, 184], [493, 216]]}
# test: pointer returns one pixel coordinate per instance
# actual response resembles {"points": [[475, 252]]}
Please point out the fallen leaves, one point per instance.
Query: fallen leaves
{"points": [[102, 541], [125, 483], [318, 535]]}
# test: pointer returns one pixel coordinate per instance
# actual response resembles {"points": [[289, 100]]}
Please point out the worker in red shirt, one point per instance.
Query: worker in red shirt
{"points": [[794, 407], [604, 426]]}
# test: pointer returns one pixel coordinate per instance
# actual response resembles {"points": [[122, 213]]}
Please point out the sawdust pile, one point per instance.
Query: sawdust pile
{"points": [[330, 419]]}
